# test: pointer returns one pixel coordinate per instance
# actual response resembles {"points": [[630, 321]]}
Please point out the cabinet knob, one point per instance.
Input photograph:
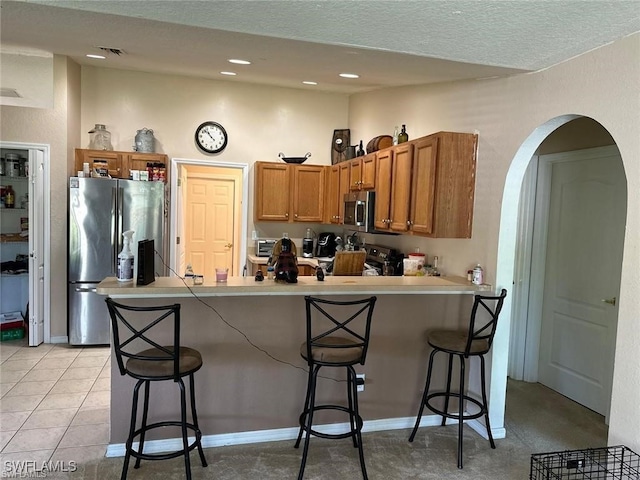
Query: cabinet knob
{"points": [[295, 215], [409, 223], [286, 215]]}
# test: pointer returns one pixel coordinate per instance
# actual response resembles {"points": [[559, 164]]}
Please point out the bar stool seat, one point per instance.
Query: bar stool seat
{"points": [[475, 341], [325, 349], [158, 363]]}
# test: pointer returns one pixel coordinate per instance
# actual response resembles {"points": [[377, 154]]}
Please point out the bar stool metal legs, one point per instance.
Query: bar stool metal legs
{"points": [[144, 427], [355, 421]]}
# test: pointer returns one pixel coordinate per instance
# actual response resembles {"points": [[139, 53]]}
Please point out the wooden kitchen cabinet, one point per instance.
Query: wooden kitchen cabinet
{"points": [[382, 211], [272, 192], [332, 207], [362, 174], [289, 193], [308, 193], [426, 186], [252, 269], [443, 185], [393, 190], [119, 163]]}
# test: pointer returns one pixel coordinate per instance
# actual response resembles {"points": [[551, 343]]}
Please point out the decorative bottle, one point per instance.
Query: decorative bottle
{"points": [[403, 137], [478, 275], [9, 197], [360, 150], [395, 135]]}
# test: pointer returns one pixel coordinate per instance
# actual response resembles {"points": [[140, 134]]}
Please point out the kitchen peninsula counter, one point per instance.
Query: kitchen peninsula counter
{"points": [[247, 286], [251, 391]]}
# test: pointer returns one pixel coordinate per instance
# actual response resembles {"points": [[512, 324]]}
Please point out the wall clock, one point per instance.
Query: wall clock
{"points": [[211, 137]]}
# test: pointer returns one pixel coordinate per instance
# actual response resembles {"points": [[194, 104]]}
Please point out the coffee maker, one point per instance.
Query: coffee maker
{"points": [[326, 245], [307, 244]]}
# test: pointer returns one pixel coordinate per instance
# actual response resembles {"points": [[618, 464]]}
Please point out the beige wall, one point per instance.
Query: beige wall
{"points": [[57, 127], [603, 85]]}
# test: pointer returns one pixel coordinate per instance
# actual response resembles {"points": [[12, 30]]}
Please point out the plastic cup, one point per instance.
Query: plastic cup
{"points": [[221, 275]]}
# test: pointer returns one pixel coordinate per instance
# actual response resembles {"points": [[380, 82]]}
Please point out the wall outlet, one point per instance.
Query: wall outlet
{"points": [[254, 235], [360, 382]]}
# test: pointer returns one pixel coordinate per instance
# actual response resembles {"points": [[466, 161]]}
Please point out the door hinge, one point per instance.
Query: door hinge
{"points": [[177, 240], [179, 182]]}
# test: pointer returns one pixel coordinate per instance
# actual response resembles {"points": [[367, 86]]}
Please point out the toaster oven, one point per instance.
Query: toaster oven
{"points": [[264, 247]]}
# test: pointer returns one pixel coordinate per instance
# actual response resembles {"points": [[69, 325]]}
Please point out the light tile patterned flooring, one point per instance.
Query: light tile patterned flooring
{"points": [[54, 402]]}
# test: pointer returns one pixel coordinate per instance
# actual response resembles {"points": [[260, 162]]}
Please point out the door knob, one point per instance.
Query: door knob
{"points": [[610, 301], [229, 245]]}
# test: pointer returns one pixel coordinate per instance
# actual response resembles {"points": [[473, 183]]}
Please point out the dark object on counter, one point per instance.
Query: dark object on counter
{"points": [[294, 159], [326, 245], [319, 274], [286, 268], [146, 252], [475, 342], [259, 276], [379, 142], [360, 151]]}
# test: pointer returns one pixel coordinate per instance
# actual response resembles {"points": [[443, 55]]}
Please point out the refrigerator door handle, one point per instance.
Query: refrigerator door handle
{"points": [[114, 229], [90, 290]]}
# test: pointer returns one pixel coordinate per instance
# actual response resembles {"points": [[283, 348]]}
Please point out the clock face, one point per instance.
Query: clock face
{"points": [[211, 137]]}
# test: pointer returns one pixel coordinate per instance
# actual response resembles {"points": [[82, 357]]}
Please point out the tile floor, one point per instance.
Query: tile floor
{"points": [[54, 402]]}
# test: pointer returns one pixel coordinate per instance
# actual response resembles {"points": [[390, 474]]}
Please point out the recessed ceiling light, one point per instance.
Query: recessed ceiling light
{"points": [[349, 75], [239, 62], [306, 82], [101, 57], [228, 73]]}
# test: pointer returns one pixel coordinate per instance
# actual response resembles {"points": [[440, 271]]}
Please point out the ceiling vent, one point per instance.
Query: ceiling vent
{"points": [[113, 50], [9, 92]]}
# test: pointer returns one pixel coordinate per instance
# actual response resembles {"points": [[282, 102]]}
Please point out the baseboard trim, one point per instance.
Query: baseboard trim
{"points": [[62, 339], [274, 435]]}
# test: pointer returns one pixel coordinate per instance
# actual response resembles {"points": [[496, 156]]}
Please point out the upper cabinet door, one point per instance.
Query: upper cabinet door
{"points": [[272, 189], [401, 188], [383, 190], [368, 171], [423, 185], [308, 193], [333, 195]]}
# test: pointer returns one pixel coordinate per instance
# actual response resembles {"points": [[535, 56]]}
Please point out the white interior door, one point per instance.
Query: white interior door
{"points": [[587, 211], [180, 250], [211, 220], [36, 248]]}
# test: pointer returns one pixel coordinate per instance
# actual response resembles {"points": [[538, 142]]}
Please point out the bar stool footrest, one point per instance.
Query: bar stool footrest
{"points": [[350, 433], [461, 398], [167, 455]]}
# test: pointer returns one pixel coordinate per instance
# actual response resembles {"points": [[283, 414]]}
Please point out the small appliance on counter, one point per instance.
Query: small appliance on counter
{"points": [[326, 245], [264, 247], [307, 243]]}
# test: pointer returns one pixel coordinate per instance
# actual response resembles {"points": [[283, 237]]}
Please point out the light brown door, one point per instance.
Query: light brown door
{"points": [[211, 236]]}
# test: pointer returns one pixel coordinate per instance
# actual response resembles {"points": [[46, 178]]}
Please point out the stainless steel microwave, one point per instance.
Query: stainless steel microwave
{"points": [[359, 211]]}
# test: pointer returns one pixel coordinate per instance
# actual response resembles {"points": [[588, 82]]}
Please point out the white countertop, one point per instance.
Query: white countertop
{"points": [[247, 286]]}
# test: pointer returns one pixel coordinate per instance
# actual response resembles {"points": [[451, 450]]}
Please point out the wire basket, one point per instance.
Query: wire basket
{"points": [[609, 463]]}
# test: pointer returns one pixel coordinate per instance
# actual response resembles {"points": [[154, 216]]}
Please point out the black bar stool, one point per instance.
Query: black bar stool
{"points": [[157, 363], [337, 336], [474, 342]]}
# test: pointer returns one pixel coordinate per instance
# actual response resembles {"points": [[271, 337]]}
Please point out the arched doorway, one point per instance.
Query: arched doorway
{"points": [[584, 143]]}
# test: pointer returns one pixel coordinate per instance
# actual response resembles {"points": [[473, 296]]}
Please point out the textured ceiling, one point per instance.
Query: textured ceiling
{"points": [[388, 43]]}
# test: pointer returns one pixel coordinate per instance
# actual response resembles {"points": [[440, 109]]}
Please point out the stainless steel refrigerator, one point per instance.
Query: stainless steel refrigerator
{"points": [[99, 211]]}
